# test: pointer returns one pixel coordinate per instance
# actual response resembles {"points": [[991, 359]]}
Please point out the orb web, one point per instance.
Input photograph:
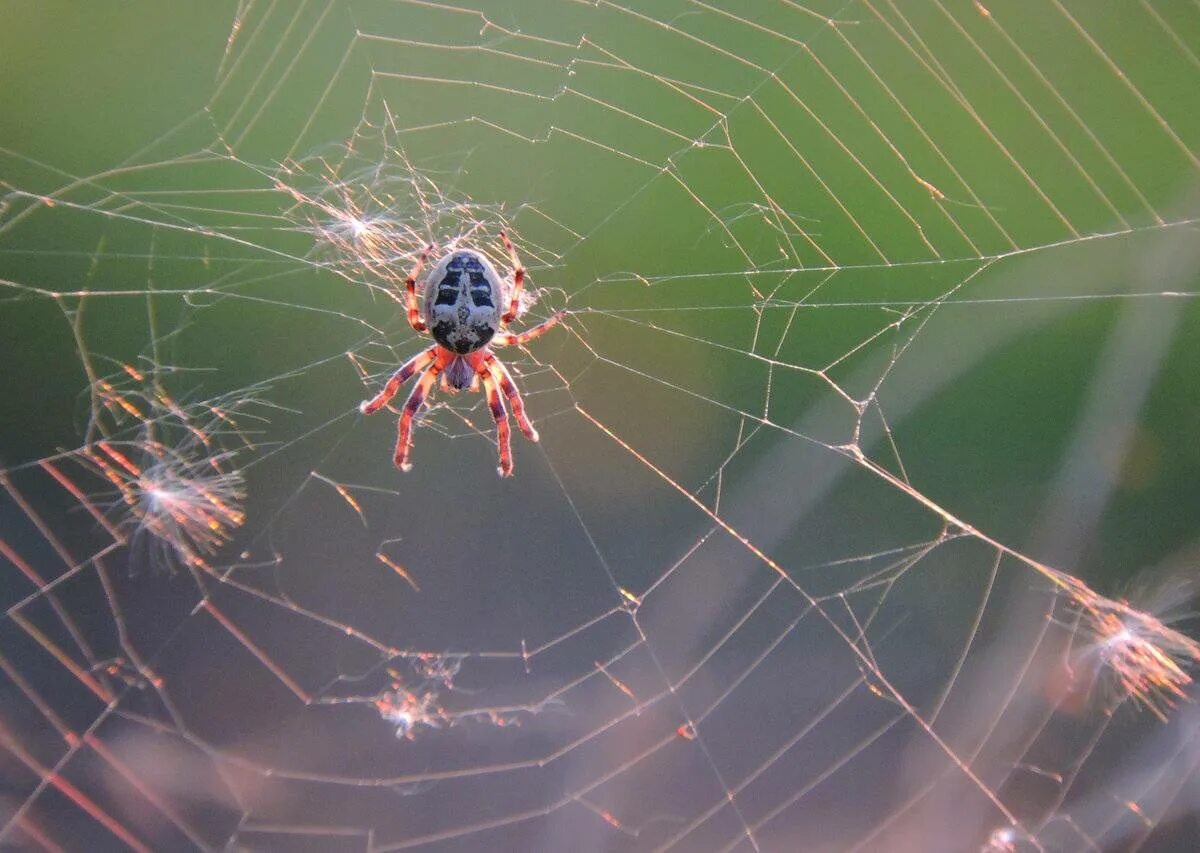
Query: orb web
{"points": [[858, 519]]}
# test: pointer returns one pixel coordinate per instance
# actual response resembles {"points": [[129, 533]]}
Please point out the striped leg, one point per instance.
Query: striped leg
{"points": [[411, 406], [410, 290], [504, 378], [408, 370], [508, 339], [518, 280], [500, 416]]}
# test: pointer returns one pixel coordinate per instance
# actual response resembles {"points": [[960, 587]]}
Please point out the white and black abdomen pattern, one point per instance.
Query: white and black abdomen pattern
{"points": [[461, 298]]}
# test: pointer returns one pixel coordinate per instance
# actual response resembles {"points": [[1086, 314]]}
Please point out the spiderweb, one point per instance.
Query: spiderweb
{"points": [[864, 509]]}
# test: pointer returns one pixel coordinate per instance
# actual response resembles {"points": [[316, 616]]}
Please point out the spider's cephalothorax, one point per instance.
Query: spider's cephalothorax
{"points": [[463, 298]]}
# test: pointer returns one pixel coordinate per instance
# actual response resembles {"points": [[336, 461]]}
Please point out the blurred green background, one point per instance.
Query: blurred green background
{"points": [[84, 89]]}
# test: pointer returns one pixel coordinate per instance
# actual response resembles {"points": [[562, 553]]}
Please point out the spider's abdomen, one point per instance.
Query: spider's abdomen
{"points": [[462, 298]]}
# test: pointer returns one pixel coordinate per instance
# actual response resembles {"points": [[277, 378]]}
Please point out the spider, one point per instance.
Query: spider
{"points": [[462, 297]]}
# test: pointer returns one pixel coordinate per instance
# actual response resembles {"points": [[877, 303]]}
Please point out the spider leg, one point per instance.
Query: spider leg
{"points": [[500, 416], [407, 370], [411, 406], [508, 339], [509, 387], [518, 280], [410, 290]]}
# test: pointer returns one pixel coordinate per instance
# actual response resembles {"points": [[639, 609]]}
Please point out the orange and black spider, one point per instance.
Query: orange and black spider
{"points": [[462, 296]]}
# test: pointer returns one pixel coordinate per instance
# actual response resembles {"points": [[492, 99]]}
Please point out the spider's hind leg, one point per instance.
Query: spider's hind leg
{"points": [[514, 304], [508, 339], [410, 290]]}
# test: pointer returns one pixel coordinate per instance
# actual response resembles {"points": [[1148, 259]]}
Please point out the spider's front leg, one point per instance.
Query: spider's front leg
{"points": [[411, 406], [500, 416], [410, 290], [509, 387], [407, 370]]}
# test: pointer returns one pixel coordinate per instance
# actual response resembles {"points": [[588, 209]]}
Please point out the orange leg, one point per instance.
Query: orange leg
{"points": [[500, 416], [410, 290], [509, 387], [508, 339], [518, 280], [408, 370], [411, 406]]}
